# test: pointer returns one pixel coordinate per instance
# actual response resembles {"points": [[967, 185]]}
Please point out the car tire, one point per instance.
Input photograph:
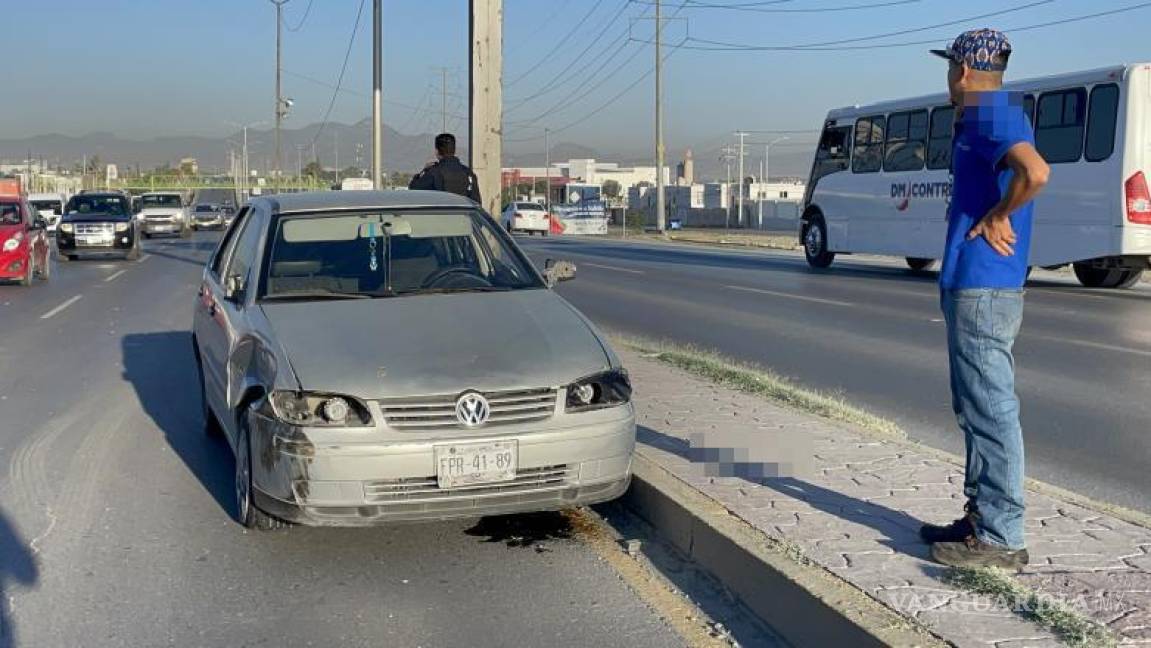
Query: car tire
{"points": [[815, 243], [918, 264], [247, 513], [29, 273]]}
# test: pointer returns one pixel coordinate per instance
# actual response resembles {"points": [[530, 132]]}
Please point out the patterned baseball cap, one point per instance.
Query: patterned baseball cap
{"points": [[980, 49]]}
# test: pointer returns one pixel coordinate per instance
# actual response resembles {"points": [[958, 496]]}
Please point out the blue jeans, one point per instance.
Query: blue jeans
{"points": [[981, 327]]}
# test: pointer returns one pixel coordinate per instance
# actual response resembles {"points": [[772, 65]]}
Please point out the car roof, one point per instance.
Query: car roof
{"points": [[340, 200]]}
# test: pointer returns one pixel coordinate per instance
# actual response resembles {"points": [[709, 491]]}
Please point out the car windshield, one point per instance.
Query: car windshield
{"points": [[391, 254], [9, 213], [149, 202], [104, 205], [53, 206], [205, 208]]}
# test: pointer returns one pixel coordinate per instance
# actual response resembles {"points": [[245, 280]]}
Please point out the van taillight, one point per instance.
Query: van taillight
{"points": [[1138, 199]]}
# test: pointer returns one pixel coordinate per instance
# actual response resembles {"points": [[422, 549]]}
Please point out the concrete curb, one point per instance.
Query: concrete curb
{"points": [[804, 603]]}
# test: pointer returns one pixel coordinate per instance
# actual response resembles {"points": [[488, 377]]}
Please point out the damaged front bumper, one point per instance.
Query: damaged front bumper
{"points": [[316, 477]]}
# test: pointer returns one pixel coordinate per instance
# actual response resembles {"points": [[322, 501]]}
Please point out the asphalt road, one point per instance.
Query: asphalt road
{"points": [[115, 510], [872, 331]]}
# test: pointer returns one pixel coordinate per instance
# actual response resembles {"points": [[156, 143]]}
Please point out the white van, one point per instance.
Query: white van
{"points": [[50, 206], [880, 182]]}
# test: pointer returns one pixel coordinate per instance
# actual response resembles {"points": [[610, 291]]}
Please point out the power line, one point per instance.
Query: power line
{"points": [[300, 25], [836, 47], [520, 43], [343, 69], [757, 7], [900, 32], [357, 93], [544, 59]]}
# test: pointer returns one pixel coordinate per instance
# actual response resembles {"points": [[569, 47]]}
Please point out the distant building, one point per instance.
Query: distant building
{"points": [[589, 171], [190, 166], [685, 171]]}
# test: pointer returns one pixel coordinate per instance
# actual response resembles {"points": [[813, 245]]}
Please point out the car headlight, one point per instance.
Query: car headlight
{"points": [[65, 227], [123, 227], [307, 409], [604, 390], [14, 242]]}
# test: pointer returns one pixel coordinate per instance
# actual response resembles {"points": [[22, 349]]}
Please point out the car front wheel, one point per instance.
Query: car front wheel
{"points": [[246, 511]]}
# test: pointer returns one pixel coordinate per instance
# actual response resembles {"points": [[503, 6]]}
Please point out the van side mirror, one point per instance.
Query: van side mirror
{"points": [[558, 271]]}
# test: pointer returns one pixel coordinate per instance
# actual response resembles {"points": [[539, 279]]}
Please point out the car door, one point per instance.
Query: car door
{"points": [[38, 238], [214, 321]]}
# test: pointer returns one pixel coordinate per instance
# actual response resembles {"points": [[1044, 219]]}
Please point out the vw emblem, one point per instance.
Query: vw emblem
{"points": [[472, 410]]}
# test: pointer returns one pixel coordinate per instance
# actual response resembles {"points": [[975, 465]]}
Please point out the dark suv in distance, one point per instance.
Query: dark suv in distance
{"points": [[98, 223]]}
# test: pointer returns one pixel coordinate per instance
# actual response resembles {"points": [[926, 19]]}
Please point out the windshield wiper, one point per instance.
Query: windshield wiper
{"points": [[442, 291], [314, 294]]}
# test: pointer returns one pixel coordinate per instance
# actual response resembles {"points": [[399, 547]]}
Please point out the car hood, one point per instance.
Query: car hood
{"points": [[436, 344], [94, 218]]}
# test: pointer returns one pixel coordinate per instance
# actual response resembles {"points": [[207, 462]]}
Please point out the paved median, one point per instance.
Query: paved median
{"points": [[849, 501]]}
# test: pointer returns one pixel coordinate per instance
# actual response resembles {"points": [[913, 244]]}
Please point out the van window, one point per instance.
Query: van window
{"points": [[833, 153], [1029, 107], [939, 141], [906, 141], [1059, 125], [1101, 122], [868, 157]]}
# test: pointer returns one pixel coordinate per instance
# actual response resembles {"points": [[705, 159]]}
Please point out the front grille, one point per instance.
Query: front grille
{"points": [[518, 406], [87, 229], [159, 217], [409, 489]]}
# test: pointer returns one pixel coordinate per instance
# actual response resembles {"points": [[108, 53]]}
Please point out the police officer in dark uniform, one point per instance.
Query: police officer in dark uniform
{"points": [[447, 173]]}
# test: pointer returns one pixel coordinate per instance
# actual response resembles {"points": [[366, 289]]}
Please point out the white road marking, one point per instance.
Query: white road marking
{"points": [[113, 276], [817, 300], [607, 267], [61, 307], [144, 258], [1103, 346]]}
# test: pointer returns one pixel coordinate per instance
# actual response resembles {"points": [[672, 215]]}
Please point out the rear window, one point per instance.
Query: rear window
{"points": [[529, 206]]}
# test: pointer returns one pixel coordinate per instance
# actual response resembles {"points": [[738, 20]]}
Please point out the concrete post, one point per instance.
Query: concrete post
{"points": [[485, 98]]}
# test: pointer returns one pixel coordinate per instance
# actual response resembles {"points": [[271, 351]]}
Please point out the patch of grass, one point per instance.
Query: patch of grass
{"points": [[764, 383], [1071, 626]]}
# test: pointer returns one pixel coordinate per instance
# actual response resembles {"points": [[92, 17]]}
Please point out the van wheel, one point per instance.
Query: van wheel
{"points": [[1130, 278], [918, 264], [1092, 277], [815, 243], [246, 511]]}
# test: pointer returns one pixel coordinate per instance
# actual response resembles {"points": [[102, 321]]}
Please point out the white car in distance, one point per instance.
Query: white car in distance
{"points": [[527, 217]]}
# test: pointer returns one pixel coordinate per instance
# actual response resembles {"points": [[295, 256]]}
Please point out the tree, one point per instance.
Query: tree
{"points": [[611, 188], [314, 170], [352, 172]]}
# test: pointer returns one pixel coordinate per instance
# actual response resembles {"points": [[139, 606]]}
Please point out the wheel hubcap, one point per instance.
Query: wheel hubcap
{"points": [[814, 241]]}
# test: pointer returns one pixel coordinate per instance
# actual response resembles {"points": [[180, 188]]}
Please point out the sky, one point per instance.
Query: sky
{"points": [[146, 68]]}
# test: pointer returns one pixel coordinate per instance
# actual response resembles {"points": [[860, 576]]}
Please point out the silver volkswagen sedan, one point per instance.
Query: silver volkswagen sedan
{"points": [[383, 356]]}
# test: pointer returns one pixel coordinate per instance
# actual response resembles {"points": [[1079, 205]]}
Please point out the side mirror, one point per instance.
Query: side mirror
{"points": [[557, 271], [234, 288]]}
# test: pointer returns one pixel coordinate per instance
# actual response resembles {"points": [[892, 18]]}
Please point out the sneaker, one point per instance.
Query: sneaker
{"points": [[957, 531], [973, 552]]}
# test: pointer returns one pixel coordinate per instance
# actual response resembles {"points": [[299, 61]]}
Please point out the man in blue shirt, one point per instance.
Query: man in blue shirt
{"points": [[996, 174]]}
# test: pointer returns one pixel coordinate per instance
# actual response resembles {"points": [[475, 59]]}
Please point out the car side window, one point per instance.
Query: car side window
{"points": [[906, 141], [1059, 125], [225, 246], [244, 251], [1101, 117]]}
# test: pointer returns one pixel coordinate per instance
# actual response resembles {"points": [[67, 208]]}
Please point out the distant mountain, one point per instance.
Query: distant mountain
{"points": [[401, 152]]}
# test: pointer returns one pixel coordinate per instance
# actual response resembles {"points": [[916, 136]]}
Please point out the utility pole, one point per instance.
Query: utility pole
{"points": [[548, 176], [280, 108], [659, 188], [485, 97], [741, 135], [336, 150], [726, 156], [377, 94]]}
